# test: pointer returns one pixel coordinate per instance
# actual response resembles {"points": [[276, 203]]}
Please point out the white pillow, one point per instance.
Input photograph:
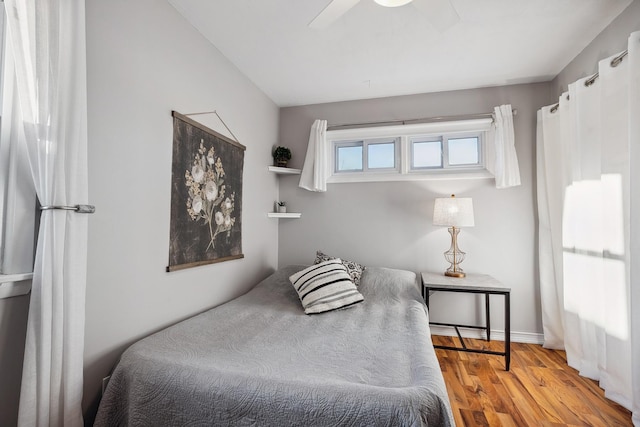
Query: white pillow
{"points": [[325, 286]]}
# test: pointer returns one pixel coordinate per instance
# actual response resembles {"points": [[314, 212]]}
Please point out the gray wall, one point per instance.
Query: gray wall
{"points": [[145, 60], [389, 224], [612, 40]]}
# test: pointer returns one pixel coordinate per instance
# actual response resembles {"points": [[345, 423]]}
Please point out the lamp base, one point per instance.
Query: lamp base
{"points": [[459, 274], [454, 256]]}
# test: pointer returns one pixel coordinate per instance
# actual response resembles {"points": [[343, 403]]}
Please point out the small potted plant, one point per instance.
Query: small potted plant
{"points": [[281, 207], [281, 155]]}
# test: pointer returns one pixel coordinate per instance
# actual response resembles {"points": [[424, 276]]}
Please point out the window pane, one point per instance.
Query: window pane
{"points": [[381, 155], [427, 154], [349, 158], [463, 151]]}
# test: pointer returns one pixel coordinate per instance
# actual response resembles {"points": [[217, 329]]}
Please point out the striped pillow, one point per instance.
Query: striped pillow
{"points": [[325, 286]]}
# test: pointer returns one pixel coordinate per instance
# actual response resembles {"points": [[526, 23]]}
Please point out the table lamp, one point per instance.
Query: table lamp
{"points": [[453, 212]]}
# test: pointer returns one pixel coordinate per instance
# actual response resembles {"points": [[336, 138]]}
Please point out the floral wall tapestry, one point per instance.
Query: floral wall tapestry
{"points": [[206, 196]]}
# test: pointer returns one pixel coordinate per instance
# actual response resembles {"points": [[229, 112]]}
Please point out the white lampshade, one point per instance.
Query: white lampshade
{"points": [[392, 3], [453, 212]]}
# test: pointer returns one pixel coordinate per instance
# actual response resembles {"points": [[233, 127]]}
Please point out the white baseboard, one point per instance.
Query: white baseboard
{"points": [[498, 335]]}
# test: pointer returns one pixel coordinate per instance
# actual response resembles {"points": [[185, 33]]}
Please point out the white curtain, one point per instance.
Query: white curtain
{"points": [[586, 199], [315, 171], [17, 191], [48, 46], [634, 158], [550, 194], [502, 160]]}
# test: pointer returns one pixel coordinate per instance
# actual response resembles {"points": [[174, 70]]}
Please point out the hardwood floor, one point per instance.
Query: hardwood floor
{"points": [[539, 390]]}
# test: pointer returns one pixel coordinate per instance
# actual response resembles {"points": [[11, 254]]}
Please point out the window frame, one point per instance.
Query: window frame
{"points": [[444, 162], [365, 143], [421, 139], [405, 135], [347, 144]]}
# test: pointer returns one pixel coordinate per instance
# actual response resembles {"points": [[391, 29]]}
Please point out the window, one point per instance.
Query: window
{"points": [[426, 154], [446, 152], [464, 151], [381, 155], [349, 157], [411, 152], [17, 194], [366, 155]]}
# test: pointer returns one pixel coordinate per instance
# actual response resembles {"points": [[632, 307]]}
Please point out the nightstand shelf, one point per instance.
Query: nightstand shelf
{"points": [[472, 284]]}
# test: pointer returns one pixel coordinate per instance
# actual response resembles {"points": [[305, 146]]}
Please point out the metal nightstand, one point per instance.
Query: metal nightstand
{"points": [[472, 284]]}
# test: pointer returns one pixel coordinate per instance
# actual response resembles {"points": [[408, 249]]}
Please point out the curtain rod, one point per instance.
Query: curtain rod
{"points": [[591, 80], [414, 121]]}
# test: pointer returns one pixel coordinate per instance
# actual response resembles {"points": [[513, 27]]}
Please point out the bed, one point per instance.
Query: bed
{"points": [[258, 360]]}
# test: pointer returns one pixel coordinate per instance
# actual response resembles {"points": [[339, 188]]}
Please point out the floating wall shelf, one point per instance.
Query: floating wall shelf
{"points": [[284, 215], [284, 171]]}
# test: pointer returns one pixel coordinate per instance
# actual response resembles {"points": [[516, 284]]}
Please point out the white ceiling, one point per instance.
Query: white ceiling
{"points": [[373, 51]]}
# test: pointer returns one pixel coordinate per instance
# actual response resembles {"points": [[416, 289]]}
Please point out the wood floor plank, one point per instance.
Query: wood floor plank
{"points": [[551, 402], [489, 380], [525, 402], [474, 418], [507, 421], [550, 359], [493, 419], [540, 390], [509, 406], [480, 393], [568, 400]]}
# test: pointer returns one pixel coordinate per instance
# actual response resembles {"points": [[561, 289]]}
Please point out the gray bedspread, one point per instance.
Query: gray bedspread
{"points": [[258, 360]]}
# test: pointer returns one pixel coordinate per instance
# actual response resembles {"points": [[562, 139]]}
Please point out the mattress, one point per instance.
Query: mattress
{"points": [[258, 360]]}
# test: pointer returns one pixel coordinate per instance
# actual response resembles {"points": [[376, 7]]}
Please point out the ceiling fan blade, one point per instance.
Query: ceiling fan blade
{"points": [[331, 13], [440, 13]]}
